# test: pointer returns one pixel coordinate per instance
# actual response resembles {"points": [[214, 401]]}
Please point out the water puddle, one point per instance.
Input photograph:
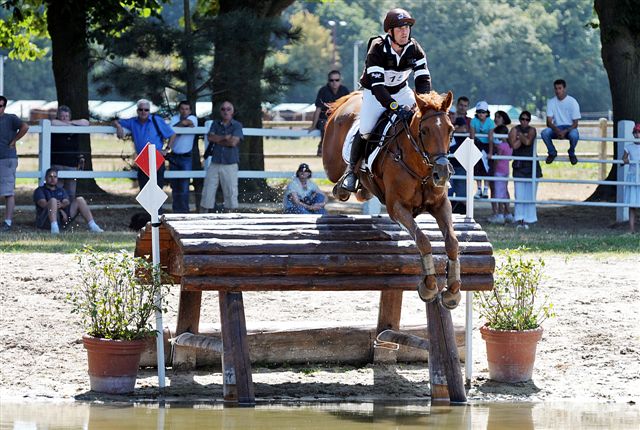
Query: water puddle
{"points": [[347, 416]]}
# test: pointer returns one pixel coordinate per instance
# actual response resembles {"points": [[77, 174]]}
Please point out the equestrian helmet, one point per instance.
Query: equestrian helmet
{"points": [[397, 18]]}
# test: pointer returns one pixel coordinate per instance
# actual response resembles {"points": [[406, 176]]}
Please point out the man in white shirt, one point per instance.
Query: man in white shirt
{"points": [[563, 113], [180, 157]]}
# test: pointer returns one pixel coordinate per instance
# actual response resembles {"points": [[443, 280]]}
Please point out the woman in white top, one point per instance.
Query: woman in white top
{"points": [[302, 195]]}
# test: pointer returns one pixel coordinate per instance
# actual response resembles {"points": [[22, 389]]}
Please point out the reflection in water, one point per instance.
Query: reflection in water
{"points": [[349, 416]]}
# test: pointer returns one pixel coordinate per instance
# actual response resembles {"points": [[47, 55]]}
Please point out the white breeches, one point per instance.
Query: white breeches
{"points": [[372, 109]]}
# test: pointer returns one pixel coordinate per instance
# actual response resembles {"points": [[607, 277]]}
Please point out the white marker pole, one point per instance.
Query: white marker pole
{"points": [[155, 254], [468, 155]]}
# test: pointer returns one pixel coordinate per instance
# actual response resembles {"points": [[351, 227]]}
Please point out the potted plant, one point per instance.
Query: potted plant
{"points": [[513, 313], [115, 300]]}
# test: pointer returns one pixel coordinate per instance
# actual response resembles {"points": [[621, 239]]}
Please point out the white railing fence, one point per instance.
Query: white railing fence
{"points": [[45, 130]]}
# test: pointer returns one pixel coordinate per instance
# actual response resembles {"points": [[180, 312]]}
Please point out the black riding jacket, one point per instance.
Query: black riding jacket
{"points": [[386, 72]]}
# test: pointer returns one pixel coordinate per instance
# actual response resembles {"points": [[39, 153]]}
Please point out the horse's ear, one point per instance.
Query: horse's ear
{"points": [[420, 103], [448, 101]]}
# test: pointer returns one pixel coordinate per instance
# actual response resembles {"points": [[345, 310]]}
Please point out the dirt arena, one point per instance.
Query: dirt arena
{"points": [[589, 352]]}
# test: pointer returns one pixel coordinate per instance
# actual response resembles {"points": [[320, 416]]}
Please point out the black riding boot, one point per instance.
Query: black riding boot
{"points": [[357, 149]]}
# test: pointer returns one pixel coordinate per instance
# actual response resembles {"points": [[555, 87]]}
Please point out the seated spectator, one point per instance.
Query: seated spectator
{"points": [[53, 208], [65, 149], [302, 195], [563, 113]]}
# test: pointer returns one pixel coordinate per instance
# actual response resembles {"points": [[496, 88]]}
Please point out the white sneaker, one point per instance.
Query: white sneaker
{"points": [[485, 193], [478, 194], [95, 228], [54, 228], [509, 218]]}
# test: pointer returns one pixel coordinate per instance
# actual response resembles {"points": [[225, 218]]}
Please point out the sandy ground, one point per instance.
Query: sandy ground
{"points": [[590, 351]]}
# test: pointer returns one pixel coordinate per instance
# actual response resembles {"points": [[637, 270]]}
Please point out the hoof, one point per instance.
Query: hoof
{"points": [[340, 193], [427, 295], [451, 300]]}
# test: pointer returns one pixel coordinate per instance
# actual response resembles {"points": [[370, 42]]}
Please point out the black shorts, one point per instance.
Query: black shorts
{"points": [[42, 219]]}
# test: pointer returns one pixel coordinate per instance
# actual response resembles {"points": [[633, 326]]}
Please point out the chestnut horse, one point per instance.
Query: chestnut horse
{"points": [[409, 176]]}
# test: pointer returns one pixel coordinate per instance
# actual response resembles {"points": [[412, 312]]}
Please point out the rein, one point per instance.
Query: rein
{"points": [[420, 149]]}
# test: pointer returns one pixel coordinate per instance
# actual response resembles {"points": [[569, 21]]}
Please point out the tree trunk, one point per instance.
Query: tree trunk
{"points": [[237, 74], [66, 23], [620, 37]]}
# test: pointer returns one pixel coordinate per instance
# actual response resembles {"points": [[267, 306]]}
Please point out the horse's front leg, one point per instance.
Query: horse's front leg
{"points": [[427, 288], [451, 295]]}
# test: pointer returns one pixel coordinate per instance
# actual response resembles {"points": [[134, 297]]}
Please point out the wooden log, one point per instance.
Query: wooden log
{"points": [[324, 283], [236, 363], [191, 340], [437, 375], [283, 246], [193, 232], [406, 339], [320, 265], [302, 342], [188, 322], [444, 364], [326, 219], [388, 318]]}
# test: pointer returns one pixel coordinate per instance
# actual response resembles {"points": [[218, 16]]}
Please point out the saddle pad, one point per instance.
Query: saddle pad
{"points": [[346, 148]]}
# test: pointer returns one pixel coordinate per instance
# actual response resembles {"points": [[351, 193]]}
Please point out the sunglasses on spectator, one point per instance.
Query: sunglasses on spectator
{"points": [[1, 106], [143, 110], [525, 119], [334, 80], [482, 111]]}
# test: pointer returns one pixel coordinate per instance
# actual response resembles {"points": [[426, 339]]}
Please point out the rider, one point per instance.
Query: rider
{"points": [[390, 60]]}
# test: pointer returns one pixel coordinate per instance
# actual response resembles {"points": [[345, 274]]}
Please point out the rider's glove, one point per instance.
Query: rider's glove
{"points": [[404, 113]]}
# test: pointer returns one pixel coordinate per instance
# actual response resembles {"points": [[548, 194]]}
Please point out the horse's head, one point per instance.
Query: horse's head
{"points": [[434, 129]]}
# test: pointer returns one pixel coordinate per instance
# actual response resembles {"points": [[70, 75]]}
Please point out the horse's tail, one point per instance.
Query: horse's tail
{"points": [[342, 100]]}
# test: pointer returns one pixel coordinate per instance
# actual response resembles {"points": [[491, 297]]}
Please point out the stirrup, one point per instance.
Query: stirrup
{"points": [[349, 180]]}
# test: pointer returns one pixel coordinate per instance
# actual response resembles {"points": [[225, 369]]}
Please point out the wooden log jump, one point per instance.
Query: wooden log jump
{"points": [[232, 253]]}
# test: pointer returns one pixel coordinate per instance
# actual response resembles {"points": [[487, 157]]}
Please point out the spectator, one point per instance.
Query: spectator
{"points": [[147, 127], [499, 189], [482, 124], [302, 195], [632, 192], [500, 118], [390, 60], [65, 149], [11, 130], [54, 209], [180, 157], [224, 137], [521, 139], [563, 113], [461, 124], [327, 94]]}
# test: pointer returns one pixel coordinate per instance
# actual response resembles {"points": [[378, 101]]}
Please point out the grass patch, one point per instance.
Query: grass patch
{"points": [[66, 242]]}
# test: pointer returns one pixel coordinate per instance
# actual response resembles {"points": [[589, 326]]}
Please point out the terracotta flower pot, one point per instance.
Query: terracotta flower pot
{"points": [[511, 353], [113, 364]]}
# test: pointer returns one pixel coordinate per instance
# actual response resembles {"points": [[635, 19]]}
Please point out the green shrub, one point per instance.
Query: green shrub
{"points": [[513, 304], [114, 299]]}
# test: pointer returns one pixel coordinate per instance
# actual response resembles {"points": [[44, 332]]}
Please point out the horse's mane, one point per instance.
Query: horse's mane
{"points": [[432, 100], [342, 100]]}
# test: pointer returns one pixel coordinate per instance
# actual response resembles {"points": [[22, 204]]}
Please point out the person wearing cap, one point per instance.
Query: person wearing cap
{"points": [[482, 124], [390, 60], [632, 192], [563, 113], [302, 195], [327, 94]]}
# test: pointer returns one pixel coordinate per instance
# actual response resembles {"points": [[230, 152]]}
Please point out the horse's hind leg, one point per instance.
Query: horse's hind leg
{"points": [[427, 288], [451, 295]]}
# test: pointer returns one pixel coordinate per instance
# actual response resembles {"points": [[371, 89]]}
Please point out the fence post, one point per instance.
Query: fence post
{"points": [[625, 131], [44, 144], [603, 148]]}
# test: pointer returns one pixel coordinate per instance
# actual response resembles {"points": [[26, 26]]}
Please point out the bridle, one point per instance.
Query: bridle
{"points": [[430, 160]]}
